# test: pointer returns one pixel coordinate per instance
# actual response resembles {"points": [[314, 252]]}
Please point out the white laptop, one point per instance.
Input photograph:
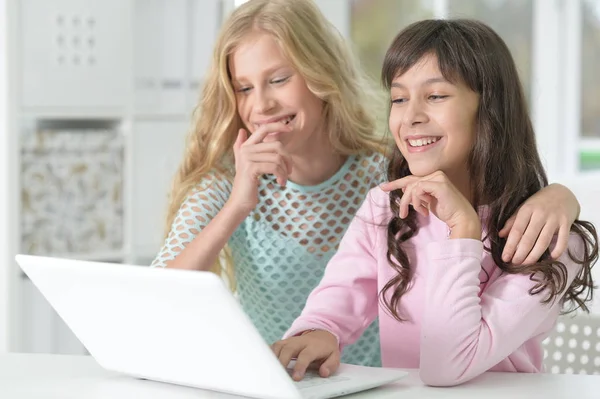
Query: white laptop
{"points": [[180, 327]]}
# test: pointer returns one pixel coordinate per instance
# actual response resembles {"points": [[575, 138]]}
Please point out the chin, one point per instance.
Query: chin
{"points": [[422, 170]]}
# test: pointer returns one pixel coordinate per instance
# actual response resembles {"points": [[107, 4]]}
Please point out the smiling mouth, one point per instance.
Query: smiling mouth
{"points": [[423, 142], [286, 121], [289, 119]]}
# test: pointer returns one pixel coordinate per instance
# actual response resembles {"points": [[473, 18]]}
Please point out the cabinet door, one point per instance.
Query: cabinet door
{"points": [[205, 22], [156, 150], [160, 55], [75, 54]]}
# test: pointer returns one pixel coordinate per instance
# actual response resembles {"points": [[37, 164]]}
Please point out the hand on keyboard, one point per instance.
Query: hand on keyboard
{"points": [[312, 379], [318, 347]]}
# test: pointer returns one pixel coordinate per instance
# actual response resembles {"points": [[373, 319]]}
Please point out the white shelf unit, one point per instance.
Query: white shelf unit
{"points": [[101, 101]]}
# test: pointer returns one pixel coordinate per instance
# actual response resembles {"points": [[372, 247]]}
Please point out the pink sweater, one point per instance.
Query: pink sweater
{"points": [[459, 322]]}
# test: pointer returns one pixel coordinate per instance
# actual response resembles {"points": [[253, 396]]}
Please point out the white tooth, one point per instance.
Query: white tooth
{"points": [[413, 142], [419, 142], [434, 139], [428, 141]]}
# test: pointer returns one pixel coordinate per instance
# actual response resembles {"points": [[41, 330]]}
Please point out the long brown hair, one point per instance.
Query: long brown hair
{"points": [[504, 165]]}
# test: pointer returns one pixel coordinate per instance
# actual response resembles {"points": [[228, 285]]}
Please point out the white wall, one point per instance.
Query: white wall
{"points": [[5, 250]]}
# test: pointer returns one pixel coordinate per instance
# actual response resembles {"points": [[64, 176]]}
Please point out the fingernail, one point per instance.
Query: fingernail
{"points": [[298, 375], [325, 372]]}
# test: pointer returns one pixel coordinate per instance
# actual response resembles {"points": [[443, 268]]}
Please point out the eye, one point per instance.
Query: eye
{"points": [[435, 97], [280, 80], [399, 100], [243, 89]]}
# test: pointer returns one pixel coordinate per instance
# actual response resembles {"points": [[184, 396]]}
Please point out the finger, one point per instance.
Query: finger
{"points": [[275, 148], [416, 201], [529, 238], [289, 164], [305, 358], [421, 200], [241, 138], [542, 243], [263, 131], [287, 353], [283, 163], [276, 347], [562, 241], [268, 168], [270, 146], [405, 202], [269, 157], [516, 232], [507, 226], [330, 365], [398, 184], [418, 192]]}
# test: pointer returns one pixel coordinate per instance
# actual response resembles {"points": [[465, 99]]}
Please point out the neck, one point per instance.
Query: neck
{"points": [[316, 163], [462, 182]]}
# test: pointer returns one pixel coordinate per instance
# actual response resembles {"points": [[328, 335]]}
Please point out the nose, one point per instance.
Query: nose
{"points": [[263, 101], [414, 113]]}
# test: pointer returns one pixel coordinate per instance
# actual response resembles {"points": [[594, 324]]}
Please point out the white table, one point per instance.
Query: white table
{"points": [[28, 376]]}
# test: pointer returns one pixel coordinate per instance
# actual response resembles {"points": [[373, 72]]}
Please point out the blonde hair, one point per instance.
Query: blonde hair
{"points": [[320, 55]]}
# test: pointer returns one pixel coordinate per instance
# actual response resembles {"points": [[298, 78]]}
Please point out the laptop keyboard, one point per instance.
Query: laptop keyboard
{"points": [[313, 379]]}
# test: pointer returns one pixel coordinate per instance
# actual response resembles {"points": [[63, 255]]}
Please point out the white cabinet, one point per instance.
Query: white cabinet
{"points": [[74, 55], [174, 40], [102, 94], [152, 171]]}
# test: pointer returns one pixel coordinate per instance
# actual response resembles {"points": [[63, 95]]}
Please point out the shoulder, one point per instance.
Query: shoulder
{"points": [[376, 206], [214, 180], [212, 187], [371, 160], [369, 168]]}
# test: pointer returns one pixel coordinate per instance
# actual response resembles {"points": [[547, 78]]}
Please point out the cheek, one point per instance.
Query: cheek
{"points": [[241, 106], [394, 122], [315, 102], [313, 109], [458, 126], [466, 129]]}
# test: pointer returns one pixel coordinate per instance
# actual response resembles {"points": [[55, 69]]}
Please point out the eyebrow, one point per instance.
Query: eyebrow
{"points": [[268, 71], [425, 83]]}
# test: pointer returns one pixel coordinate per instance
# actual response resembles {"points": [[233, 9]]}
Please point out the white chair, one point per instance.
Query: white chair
{"points": [[574, 346]]}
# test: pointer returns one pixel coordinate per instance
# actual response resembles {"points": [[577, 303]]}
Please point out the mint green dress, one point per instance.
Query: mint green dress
{"points": [[281, 249]]}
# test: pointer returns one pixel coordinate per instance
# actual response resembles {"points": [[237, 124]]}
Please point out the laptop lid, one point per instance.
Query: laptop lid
{"points": [[176, 326]]}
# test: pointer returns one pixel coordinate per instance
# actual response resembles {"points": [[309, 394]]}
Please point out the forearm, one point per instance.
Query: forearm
{"points": [[202, 252]]}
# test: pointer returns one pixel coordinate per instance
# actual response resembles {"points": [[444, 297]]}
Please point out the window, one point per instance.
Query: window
{"points": [[375, 23], [511, 19], [590, 85]]}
